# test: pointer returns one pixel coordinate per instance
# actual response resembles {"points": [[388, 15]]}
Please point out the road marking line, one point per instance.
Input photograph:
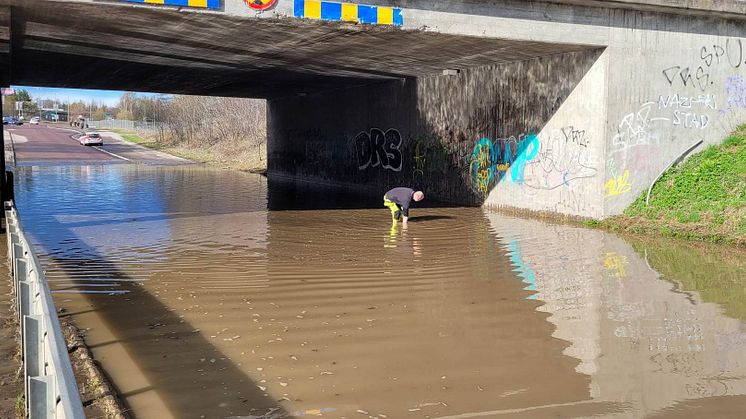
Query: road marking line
{"points": [[518, 410], [110, 153]]}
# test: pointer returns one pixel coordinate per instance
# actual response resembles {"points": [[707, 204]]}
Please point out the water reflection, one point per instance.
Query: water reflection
{"points": [[323, 307], [640, 338]]}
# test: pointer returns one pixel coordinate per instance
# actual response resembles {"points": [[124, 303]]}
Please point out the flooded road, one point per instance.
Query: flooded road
{"points": [[201, 303]]}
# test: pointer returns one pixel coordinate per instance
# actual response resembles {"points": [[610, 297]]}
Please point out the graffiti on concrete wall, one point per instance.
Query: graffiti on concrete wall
{"points": [[644, 131], [205, 4], [618, 186], [482, 170], [635, 129], [554, 159], [563, 159], [728, 53], [572, 201], [491, 160], [735, 93], [379, 149], [429, 158], [688, 111]]}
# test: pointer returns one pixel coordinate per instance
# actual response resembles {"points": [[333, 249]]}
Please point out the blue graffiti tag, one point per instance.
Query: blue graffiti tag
{"points": [[490, 160], [527, 151]]}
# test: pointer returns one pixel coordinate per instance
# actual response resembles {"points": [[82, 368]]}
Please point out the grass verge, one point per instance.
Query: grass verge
{"points": [[703, 199], [226, 155]]}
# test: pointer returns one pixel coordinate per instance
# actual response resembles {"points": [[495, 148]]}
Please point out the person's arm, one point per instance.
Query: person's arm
{"points": [[405, 214]]}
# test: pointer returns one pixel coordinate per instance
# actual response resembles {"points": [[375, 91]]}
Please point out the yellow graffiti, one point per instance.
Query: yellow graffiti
{"points": [[615, 264], [618, 185], [483, 155], [480, 167], [483, 179]]}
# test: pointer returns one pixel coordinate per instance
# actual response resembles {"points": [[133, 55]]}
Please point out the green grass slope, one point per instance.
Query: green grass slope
{"points": [[703, 198]]}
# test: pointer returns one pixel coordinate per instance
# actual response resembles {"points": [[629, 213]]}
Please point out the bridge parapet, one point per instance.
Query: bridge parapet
{"points": [[721, 6]]}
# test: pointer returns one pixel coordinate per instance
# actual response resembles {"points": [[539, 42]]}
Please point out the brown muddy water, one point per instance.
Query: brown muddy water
{"points": [[199, 302]]}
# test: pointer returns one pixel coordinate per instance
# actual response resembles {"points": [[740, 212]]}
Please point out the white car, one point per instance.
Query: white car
{"points": [[34, 121], [91, 138]]}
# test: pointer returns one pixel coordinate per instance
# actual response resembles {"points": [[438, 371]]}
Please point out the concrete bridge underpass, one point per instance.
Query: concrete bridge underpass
{"points": [[564, 106]]}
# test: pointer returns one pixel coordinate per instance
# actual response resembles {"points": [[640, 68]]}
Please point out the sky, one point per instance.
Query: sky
{"points": [[108, 97]]}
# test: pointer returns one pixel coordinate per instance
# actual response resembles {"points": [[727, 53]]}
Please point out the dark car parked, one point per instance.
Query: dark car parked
{"points": [[11, 120]]}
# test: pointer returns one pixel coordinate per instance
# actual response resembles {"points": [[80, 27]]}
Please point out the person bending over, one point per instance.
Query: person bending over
{"points": [[398, 200]]}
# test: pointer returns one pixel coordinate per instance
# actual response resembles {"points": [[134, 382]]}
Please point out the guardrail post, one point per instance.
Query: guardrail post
{"points": [[31, 326], [41, 403], [24, 297], [32, 341], [15, 240], [18, 253], [23, 288], [9, 232]]}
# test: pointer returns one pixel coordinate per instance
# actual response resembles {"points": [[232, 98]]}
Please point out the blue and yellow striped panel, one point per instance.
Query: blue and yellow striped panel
{"points": [[348, 12], [205, 4]]}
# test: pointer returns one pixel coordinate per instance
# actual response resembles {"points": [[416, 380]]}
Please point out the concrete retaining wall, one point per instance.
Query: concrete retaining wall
{"points": [[672, 81], [454, 136]]}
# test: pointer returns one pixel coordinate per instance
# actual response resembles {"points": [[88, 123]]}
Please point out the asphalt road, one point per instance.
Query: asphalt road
{"points": [[40, 144]]}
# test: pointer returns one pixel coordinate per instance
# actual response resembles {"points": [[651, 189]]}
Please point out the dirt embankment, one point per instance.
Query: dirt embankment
{"points": [[11, 371]]}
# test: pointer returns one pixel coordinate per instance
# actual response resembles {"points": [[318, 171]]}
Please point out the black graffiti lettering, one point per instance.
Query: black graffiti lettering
{"points": [[731, 49], [719, 52], [363, 150], [734, 49], [702, 78], [706, 56], [576, 136], [670, 73], [392, 144], [377, 140], [686, 76], [379, 148]]}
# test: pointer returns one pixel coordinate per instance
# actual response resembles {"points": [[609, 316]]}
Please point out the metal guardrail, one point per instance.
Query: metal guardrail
{"points": [[50, 388]]}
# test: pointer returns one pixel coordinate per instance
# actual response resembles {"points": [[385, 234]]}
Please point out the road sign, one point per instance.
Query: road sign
{"points": [[19, 106]]}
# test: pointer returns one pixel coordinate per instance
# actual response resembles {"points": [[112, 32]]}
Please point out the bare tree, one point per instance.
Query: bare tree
{"points": [[206, 121]]}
